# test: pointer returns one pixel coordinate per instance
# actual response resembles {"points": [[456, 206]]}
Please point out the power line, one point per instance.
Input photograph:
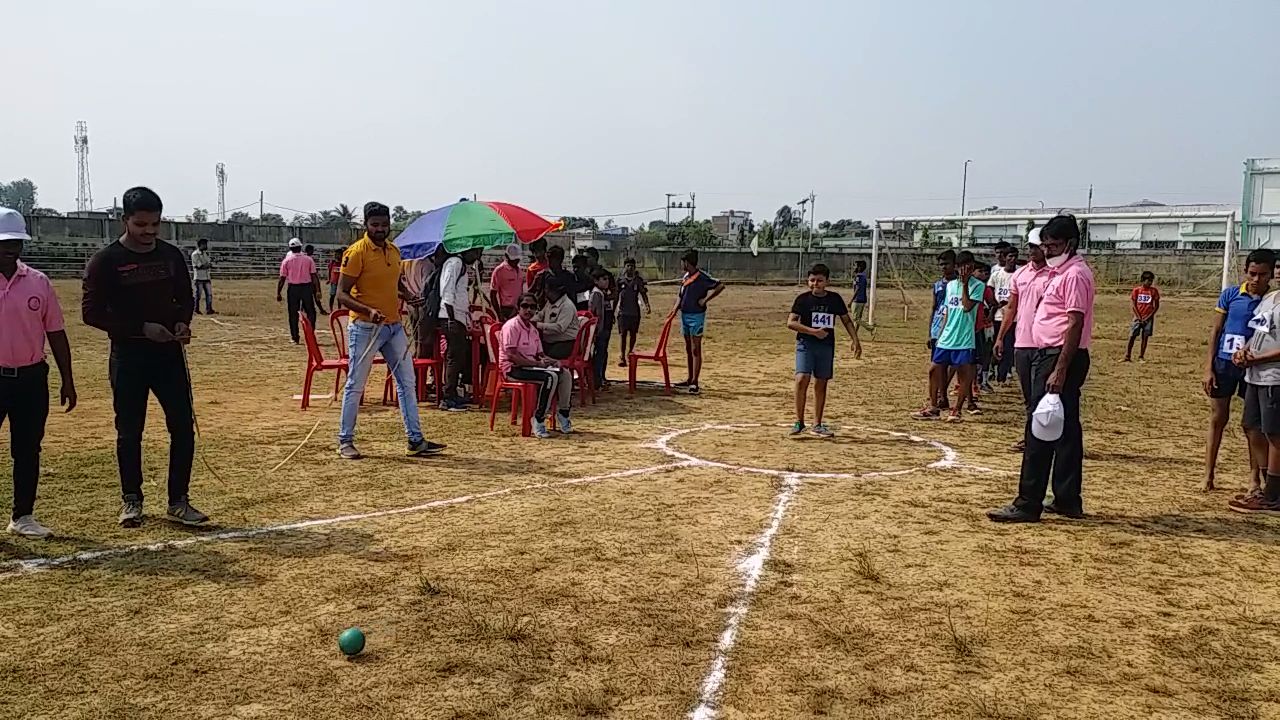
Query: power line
{"points": [[606, 215]]}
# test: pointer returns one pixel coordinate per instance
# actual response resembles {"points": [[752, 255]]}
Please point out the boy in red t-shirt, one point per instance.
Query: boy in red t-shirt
{"points": [[1146, 303]]}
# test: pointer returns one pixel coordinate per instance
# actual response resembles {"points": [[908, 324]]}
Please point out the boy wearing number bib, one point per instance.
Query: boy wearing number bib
{"points": [[1146, 303], [813, 319], [1223, 379], [955, 349]]}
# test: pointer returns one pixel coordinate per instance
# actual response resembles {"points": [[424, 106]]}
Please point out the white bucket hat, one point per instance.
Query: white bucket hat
{"points": [[12, 225], [1049, 418]]}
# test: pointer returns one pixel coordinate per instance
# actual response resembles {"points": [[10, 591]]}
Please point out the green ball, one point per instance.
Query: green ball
{"points": [[351, 641]]}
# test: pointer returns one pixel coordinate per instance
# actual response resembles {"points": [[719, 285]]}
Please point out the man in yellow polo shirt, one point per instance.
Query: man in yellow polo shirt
{"points": [[371, 287]]}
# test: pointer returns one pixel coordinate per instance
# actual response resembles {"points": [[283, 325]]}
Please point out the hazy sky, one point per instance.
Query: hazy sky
{"points": [[602, 106]]}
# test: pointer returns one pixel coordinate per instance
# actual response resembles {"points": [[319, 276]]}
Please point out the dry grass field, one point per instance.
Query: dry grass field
{"points": [[517, 578]]}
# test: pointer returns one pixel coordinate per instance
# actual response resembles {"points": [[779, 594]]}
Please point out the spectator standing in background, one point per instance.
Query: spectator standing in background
{"points": [[539, 249], [298, 270], [29, 313], [1002, 285], [201, 265], [631, 290], [455, 316], [137, 289], [310, 250], [335, 273], [860, 285], [506, 284]]}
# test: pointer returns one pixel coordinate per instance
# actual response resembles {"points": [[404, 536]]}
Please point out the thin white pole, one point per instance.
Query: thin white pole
{"points": [[875, 256], [1228, 254]]}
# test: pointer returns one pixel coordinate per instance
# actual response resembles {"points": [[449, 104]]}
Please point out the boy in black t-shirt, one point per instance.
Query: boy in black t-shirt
{"points": [[813, 317]]}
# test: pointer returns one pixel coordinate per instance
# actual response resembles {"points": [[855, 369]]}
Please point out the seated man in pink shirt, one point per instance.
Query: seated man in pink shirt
{"points": [[29, 312], [1061, 333], [520, 357]]}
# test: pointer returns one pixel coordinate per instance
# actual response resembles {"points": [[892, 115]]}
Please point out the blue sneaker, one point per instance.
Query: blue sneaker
{"points": [[540, 429], [566, 427]]}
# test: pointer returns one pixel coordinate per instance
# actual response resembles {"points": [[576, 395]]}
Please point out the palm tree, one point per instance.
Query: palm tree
{"points": [[342, 214]]}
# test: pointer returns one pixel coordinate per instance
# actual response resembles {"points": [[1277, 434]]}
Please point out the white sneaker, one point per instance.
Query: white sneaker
{"points": [[540, 430], [566, 427], [28, 526]]}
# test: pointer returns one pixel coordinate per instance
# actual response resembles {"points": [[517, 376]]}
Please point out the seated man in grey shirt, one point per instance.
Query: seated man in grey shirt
{"points": [[557, 321]]}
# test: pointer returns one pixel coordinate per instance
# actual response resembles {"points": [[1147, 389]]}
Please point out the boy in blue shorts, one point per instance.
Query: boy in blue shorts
{"points": [[1222, 378], [812, 318], [947, 266], [954, 349], [696, 290]]}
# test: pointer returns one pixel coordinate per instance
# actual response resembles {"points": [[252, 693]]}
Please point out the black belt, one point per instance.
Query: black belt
{"points": [[17, 372]]}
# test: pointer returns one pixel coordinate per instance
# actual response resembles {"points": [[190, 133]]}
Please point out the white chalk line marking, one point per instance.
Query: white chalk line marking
{"points": [[32, 565], [751, 568]]}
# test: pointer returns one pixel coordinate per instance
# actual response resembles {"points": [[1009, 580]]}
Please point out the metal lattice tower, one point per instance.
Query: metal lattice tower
{"points": [[84, 188], [221, 174]]}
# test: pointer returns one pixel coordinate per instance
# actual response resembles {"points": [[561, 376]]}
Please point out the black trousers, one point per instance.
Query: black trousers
{"points": [[24, 401], [1022, 359], [301, 297], [138, 369], [457, 361], [1064, 458], [1006, 359]]}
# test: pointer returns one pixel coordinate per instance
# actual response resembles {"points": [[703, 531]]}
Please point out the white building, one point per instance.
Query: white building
{"points": [[1140, 234]]}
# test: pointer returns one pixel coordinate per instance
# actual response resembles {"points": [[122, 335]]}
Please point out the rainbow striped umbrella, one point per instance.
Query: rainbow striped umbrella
{"points": [[466, 225]]}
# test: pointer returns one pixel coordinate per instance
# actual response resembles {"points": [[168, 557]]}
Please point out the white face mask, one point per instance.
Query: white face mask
{"points": [[1056, 260]]}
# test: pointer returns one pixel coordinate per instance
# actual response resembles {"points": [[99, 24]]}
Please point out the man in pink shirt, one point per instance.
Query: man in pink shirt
{"points": [[1062, 331], [29, 312], [298, 270], [1025, 290], [506, 283], [521, 358]]}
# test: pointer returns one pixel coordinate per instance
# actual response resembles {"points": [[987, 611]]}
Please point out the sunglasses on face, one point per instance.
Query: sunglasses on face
{"points": [[528, 306]]}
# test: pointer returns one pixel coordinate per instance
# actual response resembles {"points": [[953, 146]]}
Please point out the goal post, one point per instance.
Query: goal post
{"points": [[1229, 245]]}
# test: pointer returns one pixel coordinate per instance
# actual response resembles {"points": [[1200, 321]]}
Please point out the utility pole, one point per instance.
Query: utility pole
{"points": [[1089, 208], [690, 206], [964, 187], [84, 189], [220, 172], [260, 204]]}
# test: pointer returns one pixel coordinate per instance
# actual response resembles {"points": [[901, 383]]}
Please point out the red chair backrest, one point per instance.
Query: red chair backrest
{"points": [[313, 345], [664, 336], [337, 325], [493, 331], [582, 342]]}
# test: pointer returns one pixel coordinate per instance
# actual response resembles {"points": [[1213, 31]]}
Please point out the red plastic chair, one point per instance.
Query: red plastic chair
{"points": [[435, 364], [579, 360], [338, 321], [316, 362], [524, 395], [659, 355]]}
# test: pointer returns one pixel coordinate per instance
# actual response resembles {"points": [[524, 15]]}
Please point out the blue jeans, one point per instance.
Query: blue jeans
{"points": [[204, 287], [391, 341]]}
